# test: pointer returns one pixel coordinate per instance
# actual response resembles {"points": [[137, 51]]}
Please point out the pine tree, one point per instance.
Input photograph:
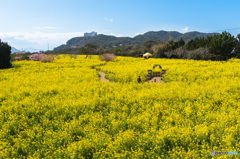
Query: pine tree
{"points": [[222, 44]]}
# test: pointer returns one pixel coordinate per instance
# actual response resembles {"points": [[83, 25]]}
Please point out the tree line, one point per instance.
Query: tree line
{"points": [[224, 45], [217, 47]]}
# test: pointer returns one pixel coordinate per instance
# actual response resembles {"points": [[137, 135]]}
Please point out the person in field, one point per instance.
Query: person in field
{"points": [[139, 79]]}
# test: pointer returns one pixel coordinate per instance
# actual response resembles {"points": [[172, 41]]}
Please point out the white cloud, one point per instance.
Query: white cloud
{"points": [[44, 28], [108, 19], [38, 40], [186, 29], [137, 34]]}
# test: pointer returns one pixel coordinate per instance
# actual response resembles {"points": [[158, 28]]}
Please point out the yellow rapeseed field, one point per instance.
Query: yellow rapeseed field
{"points": [[62, 109]]}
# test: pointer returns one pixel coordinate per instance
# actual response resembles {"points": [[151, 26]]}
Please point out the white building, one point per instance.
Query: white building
{"points": [[90, 34]]}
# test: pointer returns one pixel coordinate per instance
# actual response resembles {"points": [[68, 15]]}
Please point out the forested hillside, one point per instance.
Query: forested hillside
{"points": [[112, 41]]}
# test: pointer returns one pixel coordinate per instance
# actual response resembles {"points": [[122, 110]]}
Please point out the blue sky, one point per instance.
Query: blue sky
{"points": [[37, 23]]}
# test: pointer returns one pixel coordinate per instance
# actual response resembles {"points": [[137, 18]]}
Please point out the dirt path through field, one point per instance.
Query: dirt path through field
{"points": [[102, 77]]}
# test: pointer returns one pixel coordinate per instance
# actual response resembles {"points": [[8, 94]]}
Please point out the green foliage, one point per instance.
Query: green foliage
{"points": [[88, 49], [5, 52], [90, 46], [180, 43], [237, 49], [222, 44], [125, 50], [197, 43], [171, 45], [149, 44], [160, 49]]}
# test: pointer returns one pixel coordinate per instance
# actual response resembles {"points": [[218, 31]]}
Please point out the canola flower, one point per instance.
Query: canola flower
{"points": [[62, 109]]}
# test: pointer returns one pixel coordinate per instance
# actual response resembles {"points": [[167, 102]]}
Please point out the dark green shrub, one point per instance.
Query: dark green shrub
{"points": [[5, 55]]}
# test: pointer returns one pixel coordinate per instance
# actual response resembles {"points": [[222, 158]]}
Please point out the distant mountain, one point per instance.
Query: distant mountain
{"points": [[111, 41], [13, 50], [32, 50]]}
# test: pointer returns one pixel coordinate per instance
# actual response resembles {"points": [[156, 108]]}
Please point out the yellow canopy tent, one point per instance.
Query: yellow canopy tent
{"points": [[147, 55]]}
